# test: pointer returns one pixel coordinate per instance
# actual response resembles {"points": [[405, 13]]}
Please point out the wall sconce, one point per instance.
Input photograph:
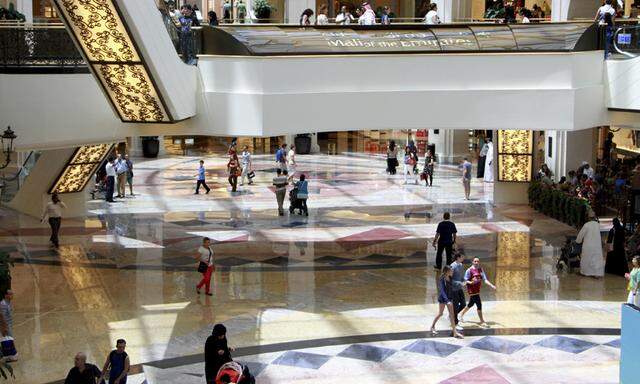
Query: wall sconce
{"points": [[7, 146], [99, 30]]}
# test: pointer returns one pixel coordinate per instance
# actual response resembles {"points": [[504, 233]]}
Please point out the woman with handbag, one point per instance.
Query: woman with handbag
{"points": [[205, 266], [233, 167], [409, 165]]}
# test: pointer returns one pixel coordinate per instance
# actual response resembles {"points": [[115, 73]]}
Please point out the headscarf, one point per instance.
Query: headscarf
{"points": [[219, 330]]}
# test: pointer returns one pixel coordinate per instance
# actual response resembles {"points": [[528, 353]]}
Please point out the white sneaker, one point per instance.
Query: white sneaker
{"points": [[484, 325], [434, 332], [459, 328]]}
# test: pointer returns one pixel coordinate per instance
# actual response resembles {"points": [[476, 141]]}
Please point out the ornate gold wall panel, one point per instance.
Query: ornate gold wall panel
{"points": [[101, 33], [515, 155], [81, 168]]}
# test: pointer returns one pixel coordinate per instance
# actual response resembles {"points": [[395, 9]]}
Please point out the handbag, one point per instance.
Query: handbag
{"points": [[251, 175], [202, 266]]}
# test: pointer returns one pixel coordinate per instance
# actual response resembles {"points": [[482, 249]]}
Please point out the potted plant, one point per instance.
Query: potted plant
{"points": [[150, 146], [262, 10]]}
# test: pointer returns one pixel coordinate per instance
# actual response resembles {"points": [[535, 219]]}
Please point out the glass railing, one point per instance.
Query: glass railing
{"points": [[14, 177], [626, 42]]}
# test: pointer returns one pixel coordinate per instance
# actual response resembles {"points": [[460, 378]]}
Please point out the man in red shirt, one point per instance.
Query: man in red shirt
{"points": [[474, 278]]}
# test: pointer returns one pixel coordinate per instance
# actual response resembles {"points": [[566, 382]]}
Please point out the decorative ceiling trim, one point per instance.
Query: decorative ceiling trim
{"points": [[515, 155], [103, 36], [80, 168]]}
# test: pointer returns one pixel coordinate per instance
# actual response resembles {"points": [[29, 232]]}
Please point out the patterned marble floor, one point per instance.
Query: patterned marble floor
{"points": [[348, 289]]}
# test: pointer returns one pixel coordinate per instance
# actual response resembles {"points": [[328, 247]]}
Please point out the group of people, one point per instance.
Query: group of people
{"points": [[454, 279], [411, 166], [118, 173], [364, 15], [115, 369], [242, 167]]}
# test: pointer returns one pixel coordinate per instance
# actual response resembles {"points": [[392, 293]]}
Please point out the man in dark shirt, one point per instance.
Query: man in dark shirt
{"points": [[82, 373], [444, 240]]}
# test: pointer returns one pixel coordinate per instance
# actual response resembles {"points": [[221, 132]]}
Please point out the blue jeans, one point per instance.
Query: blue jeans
{"points": [[608, 41]]}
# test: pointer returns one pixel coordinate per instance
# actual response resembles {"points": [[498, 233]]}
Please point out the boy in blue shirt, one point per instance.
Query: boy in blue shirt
{"points": [[201, 174]]}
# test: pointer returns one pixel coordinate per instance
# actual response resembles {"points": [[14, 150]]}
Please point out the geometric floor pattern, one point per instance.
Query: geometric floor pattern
{"points": [[344, 295]]}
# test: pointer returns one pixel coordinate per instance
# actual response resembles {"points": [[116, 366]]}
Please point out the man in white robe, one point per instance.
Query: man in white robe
{"points": [[591, 257]]}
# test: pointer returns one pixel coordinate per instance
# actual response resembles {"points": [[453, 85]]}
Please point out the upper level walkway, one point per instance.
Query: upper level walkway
{"points": [[274, 80]]}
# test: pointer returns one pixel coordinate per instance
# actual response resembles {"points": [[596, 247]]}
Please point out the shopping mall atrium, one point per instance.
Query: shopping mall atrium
{"points": [[299, 191]]}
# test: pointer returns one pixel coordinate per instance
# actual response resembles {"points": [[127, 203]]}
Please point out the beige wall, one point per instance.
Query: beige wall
{"points": [[33, 196], [510, 193]]}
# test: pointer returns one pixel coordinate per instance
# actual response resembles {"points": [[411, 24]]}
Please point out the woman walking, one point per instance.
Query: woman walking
{"points": [[409, 163], [305, 17], [53, 211], [429, 163], [233, 168], [291, 162], [445, 295], [392, 157], [616, 258], [205, 266], [591, 259]]}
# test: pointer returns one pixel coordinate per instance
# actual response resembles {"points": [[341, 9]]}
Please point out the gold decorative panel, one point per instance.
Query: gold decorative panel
{"points": [[80, 168], [131, 88], [515, 155], [98, 28], [513, 265]]}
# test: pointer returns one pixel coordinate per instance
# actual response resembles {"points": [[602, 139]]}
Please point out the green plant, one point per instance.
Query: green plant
{"points": [[262, 8]]}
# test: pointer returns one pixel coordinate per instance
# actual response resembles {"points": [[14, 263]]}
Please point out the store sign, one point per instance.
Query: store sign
{"points": [[624, 38]]}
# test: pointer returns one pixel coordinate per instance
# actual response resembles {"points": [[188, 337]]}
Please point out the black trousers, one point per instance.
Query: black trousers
{"points": [[54, 223], [233, 182], [110, 186], [199, 183], [459, 302], [448, 248]]}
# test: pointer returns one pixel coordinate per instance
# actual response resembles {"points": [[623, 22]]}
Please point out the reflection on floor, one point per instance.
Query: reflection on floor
{"points": [[348, 289]]}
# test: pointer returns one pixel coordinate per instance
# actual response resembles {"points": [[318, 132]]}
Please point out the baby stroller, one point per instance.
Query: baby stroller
{"points": [[569, 255], [236, 372], [294, 202]]}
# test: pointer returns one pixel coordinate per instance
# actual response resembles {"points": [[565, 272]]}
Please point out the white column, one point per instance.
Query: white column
{"points": [[26, 8], [445, 10], [560, 10], [570, 149], [451, 144], [162, 150], [294, 8]]}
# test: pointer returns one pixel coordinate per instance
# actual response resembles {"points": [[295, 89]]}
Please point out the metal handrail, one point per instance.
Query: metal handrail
{"points": [[615, 41]]}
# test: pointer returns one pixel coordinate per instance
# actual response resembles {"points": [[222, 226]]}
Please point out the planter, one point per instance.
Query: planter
{"points": [[558, 204], [303, 144], [150, 147]]}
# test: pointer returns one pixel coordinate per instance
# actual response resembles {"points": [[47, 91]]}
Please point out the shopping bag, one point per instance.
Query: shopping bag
{"points": [[251, 175], [8, 347]]}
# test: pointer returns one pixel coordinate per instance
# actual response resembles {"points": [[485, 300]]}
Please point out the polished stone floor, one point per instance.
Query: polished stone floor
{"points": [[344, 295]]}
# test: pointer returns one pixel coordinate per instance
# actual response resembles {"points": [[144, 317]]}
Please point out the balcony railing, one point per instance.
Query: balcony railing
{"points": [[39, 49]]}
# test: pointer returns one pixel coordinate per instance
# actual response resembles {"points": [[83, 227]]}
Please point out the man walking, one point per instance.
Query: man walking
{"points": [[82, 372], [111, 179], [474, 277], [466, 178], [458, 283], [129, 174], [444, 240], [281, 158], [280, 182], [201, 174], [121, 171]]}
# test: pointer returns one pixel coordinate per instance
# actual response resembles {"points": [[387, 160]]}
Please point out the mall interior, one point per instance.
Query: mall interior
{"points": [[134, 130]]}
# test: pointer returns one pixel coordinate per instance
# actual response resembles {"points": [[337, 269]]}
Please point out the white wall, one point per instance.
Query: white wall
{"points": [[340, 93], [253, 96], [623, 84]]}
